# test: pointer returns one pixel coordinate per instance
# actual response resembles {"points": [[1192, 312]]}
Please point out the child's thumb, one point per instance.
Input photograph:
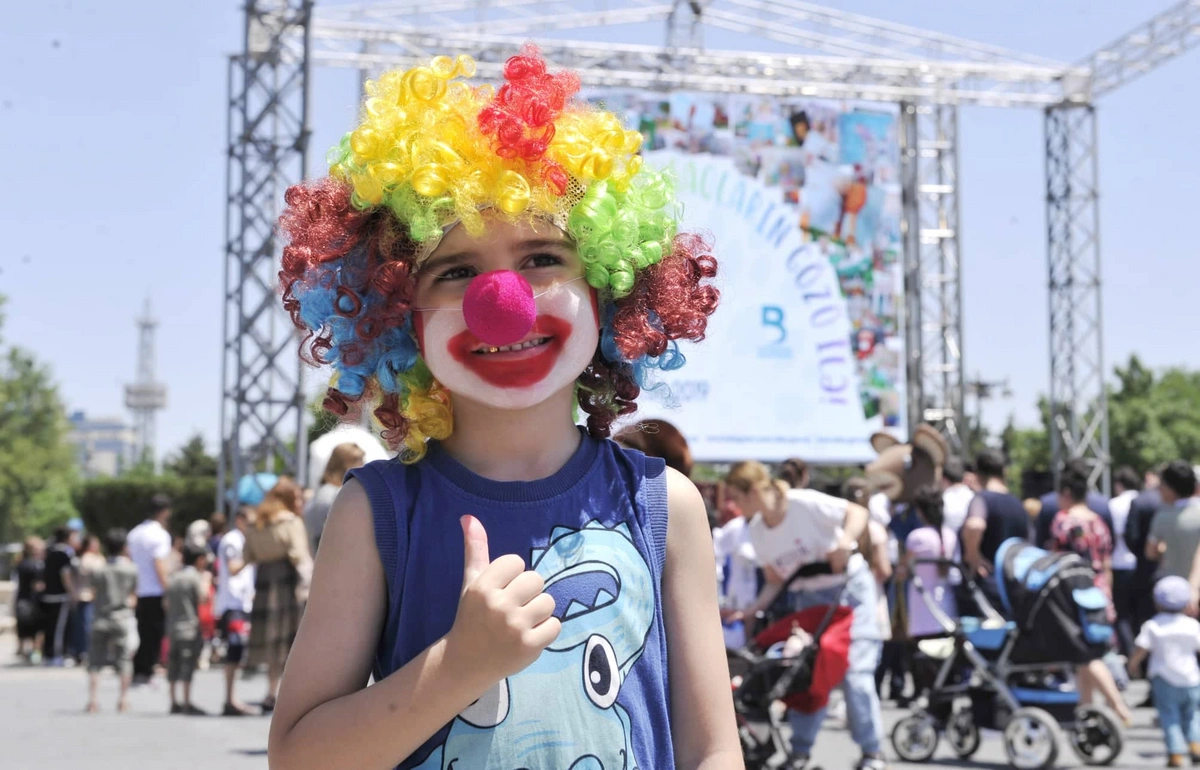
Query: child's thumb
{"points": [[475, 550]]}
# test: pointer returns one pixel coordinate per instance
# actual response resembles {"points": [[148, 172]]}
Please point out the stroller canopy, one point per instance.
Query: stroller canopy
{"points": [[1061, 615]]}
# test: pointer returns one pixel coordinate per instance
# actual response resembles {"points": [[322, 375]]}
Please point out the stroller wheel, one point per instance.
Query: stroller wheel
{"points": [[1031, 739], [1096, 735], [915, 737], [963, 733]]}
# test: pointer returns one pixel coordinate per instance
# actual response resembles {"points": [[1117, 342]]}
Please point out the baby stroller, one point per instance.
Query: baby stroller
{"points": [[764, 674], [1016, 675]]}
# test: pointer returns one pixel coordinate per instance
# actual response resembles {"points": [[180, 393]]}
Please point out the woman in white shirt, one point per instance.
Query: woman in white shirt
{"points": [[791, 528]]}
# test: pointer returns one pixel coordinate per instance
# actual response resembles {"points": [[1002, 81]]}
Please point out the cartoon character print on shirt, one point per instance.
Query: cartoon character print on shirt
{"points": [[562, 712]]}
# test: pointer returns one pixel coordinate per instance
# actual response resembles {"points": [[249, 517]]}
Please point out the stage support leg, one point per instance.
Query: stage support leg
{"points": [[933, 281], [262, 392], [1078, 403]]}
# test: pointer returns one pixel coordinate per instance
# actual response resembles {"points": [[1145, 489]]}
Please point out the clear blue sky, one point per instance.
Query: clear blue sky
{"points": [[112, 120]]}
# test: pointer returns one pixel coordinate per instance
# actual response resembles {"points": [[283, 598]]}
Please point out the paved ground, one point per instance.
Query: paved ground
{"points": [[42, 727]]}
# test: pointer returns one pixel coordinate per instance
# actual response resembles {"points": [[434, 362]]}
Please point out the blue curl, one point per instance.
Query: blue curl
{"points": [[316, 303]]}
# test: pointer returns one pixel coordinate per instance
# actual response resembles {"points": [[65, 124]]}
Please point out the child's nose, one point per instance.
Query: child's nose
{"points": [[499, 308]]}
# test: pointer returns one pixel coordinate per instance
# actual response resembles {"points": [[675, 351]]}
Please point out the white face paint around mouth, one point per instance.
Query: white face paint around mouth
{"points": [[523, 374]]}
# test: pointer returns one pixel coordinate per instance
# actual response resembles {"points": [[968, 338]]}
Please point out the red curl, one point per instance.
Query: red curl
{"points": [[607, 390], [670, 300], [323, 230], [395, 425], [520, 118]]}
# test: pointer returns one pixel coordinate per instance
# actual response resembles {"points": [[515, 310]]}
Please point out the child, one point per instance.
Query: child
{"points": [[481, 264], [1171, 640], [186, 590], [114, 636], [931, 540]]}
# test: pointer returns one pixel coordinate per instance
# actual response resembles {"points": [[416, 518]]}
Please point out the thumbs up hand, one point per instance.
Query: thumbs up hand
{"points": [[504, 618]]}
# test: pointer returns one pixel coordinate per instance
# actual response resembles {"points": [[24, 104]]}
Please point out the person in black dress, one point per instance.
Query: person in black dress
{"points": [[28, 577]]}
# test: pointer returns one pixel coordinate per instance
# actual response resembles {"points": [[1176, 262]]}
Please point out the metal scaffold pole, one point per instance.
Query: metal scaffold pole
{"points": [[262, 396], [939, 283], [1078, 403]]}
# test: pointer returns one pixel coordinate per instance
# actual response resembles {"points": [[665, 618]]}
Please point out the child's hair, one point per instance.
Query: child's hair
{"points": [[857, 490], [433, 150], [660, 438], [794, 471], [341, 459], [193, 553], [751, 474], [286, 495], [31, 547], [114, 541], [928, 501]]}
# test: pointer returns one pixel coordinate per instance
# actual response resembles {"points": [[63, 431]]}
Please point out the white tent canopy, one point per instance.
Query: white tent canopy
{"points": [[320, 450]]}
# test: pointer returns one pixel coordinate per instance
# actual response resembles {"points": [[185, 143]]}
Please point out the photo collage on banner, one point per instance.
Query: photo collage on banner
{"points": [[802, 199]]}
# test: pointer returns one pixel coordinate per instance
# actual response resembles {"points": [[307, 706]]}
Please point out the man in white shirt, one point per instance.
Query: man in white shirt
{"points": [[1127, 484], [957, 496], [149, 546], [956, 500], [235, 600]]}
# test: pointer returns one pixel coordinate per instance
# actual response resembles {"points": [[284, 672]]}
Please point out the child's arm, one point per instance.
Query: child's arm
{"points": [[1136, 660], [702, 720], [325, 718]]}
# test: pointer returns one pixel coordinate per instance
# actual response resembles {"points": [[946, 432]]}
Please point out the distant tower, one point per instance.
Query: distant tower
{"points": [[146, 396]]}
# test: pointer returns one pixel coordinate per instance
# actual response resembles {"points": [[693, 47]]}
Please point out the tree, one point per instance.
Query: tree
{"points": [[192, 461], [37, 463], [1154, 419]]}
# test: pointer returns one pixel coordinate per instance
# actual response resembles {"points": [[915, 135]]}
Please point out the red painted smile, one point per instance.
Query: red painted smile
{"points": [[519, 365]]}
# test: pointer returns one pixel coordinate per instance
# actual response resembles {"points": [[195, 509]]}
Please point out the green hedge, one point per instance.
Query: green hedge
{"points": [[125, 502]]}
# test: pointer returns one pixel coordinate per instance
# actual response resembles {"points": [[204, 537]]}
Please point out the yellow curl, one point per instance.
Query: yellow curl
{"points": [[418, 150], [430, 416]]}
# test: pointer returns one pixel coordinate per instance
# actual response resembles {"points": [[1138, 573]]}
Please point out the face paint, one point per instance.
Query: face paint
{"points": [[546, 360]]}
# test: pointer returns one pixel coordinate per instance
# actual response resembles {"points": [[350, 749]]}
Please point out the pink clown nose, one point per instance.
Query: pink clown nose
{"points": [[499, 307]]}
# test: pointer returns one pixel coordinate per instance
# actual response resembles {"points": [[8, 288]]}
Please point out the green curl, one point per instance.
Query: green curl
{"points": [[619, 233]]}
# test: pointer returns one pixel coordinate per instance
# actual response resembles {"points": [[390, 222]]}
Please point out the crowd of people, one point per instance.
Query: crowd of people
{"points": [[1142, 545], [142, 601]]}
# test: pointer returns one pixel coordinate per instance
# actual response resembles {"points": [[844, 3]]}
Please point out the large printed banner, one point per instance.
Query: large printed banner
{"points": [[805, 356]]}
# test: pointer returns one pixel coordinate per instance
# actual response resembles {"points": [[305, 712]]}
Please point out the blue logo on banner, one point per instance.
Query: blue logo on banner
{"points": [[776, 347]]}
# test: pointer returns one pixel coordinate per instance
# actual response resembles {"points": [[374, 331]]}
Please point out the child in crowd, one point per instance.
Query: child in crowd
{"points": [[187, 589], [931, 540], [1171, 640], [114, 636]]}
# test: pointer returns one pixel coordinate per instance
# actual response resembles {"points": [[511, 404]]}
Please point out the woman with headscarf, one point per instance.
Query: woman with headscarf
{"points": [[277, 545]]}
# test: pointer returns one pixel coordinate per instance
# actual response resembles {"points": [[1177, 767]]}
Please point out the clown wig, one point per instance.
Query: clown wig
{"points": [[432, 151]]}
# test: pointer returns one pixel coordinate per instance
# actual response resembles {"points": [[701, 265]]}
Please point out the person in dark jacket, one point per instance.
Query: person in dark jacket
{"points": [[1096, 502], [1137, 531]]}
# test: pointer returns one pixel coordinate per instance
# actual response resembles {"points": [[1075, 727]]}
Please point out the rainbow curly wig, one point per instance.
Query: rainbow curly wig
{"points": [[431, 151]]}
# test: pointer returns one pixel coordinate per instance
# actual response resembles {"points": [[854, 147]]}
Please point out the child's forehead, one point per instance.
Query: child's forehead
{"points": [[500, 232]]}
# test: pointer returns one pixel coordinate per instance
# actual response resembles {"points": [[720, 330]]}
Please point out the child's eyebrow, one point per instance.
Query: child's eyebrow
{"points": [[541, 243], [444, 260]]}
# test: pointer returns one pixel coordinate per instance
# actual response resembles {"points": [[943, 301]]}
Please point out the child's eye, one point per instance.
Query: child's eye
{"points": [[456, 274], [545, 260]]}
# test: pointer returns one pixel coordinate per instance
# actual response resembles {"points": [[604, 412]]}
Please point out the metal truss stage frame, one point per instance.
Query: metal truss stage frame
{"points": [[831, 54]]}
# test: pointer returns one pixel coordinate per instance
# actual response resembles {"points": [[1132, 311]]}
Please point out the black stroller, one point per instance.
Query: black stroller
{"points": [[1016, 675], [760, 680]]}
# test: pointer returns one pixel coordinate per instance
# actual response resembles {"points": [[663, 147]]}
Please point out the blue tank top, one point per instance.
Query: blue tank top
{"points": [[597, 697]]}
